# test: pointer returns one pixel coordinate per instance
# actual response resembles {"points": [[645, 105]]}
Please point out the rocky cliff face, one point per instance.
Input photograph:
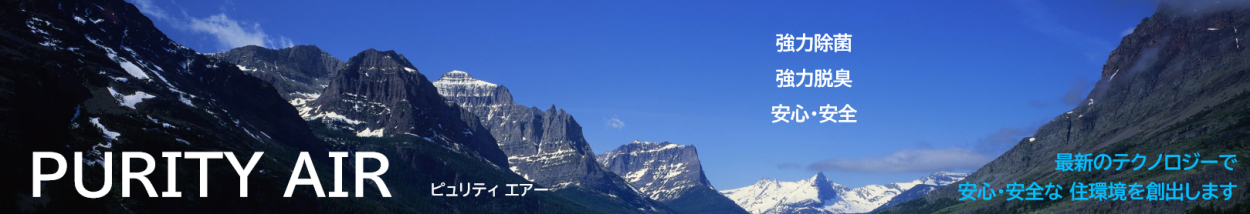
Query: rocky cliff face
{"points": [[380, 93], [299, 73], [546, 147], [302, 73], [1176, 85], [78, 60], [820, 194], [97, 77], [661, 170], [669, 173]]}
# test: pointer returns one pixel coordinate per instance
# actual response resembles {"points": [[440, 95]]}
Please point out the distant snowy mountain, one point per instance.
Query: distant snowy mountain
{"points": [[926, 184], [669, 173], [819, 194]]}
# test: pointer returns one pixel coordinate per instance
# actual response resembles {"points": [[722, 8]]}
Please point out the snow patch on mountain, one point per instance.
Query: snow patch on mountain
{"points": [[130, 100], [370, 132], [245, 68], [110, 135], [333, 116]]}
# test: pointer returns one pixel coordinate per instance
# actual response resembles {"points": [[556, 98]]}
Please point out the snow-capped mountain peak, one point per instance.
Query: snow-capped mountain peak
{"points": [[819, 194], [468, 92], [773, 196], [461, 77]]}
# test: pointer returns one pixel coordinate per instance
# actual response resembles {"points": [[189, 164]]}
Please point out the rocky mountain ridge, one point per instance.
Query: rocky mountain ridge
{"points": [[299, 73], [546, 147]]}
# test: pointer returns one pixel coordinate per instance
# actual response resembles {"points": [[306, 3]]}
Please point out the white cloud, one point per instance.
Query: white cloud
{"points": [[152, 10], [614, 122], [229, 33], [281, 42], [920, 160], [1128, 31]]}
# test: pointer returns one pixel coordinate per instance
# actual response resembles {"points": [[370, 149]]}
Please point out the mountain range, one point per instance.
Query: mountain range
{"points": [[819, 194], [98, 77], [546, 147]]}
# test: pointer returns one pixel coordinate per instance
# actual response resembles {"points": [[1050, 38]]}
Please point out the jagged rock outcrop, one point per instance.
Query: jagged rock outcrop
{"points": [[301, 73], [669, 173], [380, 93], [546, 147], [1176, 85]]}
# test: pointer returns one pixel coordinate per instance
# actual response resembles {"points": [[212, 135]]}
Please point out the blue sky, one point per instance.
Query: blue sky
{"points": [[938, 84]]}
